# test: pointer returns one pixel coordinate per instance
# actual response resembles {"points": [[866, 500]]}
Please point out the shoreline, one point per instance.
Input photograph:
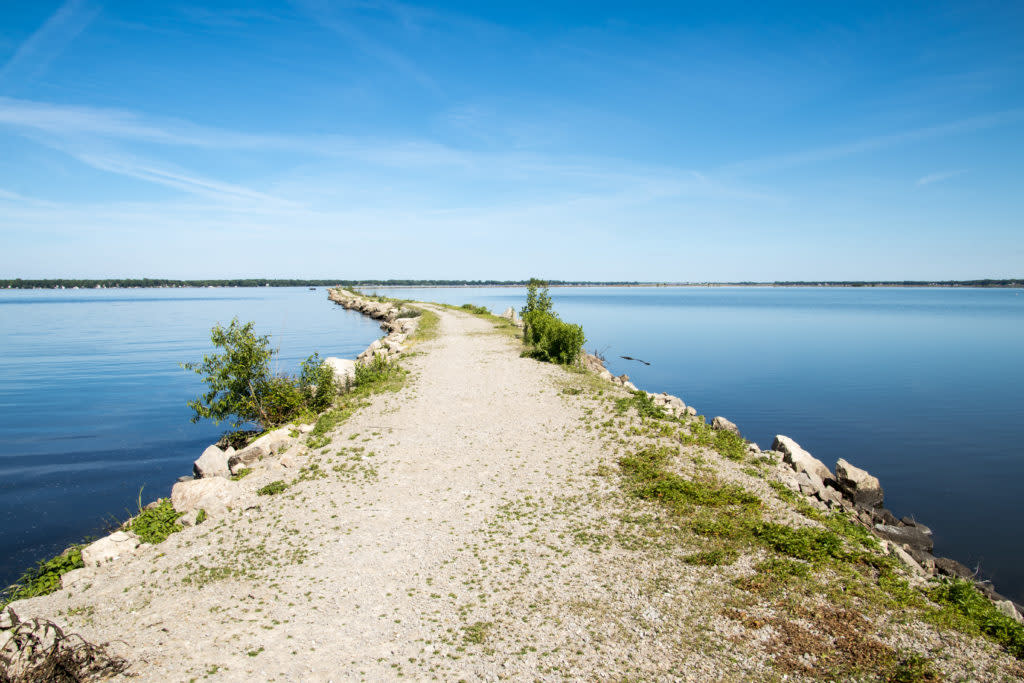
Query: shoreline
{"points": [[294, 454]]}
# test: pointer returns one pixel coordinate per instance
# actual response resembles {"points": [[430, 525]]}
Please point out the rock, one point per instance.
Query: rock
{"points": [[110, 548], [630, 386], [676, 402], [799, 459], [77, 576], [290, 460], [809, 484], [8, 619], [753, 448], [510, 314], [344, 369], [691, 411], [1007, 607], [276, 441], [830, 495], [305, 429], [948, 567], [881, 516], [721, 423], [247, 456], [605, 375], [212, 463], [908, 535], [185, 477], [215, 495], [858, 485], [906, 559]]}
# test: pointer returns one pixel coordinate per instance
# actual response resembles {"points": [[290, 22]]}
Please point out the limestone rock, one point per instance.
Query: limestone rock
{"points": [[212, 463], [247, 456], [76, 577], [858, 485], [1006, 607], [276, 441], [8, 619], [909, 535], [723, 424], [630, 386], [110, 548], [691, 411], [344, 369], [215, 495], [799, 459], [753, 448]]}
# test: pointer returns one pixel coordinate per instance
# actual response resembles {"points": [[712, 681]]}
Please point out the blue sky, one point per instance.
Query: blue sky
{"points": [[642, 141]]}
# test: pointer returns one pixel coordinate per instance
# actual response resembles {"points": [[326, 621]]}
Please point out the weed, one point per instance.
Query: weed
{"points": [[241, 473], [200, 516], [155, 524], [981, 616], [806, 543], [44, 578], [478, 310], [273, 488], [476, 633], [712, 558]]}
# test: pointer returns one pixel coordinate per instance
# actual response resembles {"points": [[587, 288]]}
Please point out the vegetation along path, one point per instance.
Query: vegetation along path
{"points": [[495, 517]]}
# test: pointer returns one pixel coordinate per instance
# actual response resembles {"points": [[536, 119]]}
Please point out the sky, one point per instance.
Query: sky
{"points": [[717, 141]]}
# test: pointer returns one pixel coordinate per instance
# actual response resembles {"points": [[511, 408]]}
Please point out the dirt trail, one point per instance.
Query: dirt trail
{"points": [[470, 526]]}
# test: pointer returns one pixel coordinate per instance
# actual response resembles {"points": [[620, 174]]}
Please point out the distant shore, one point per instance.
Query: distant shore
{"points": [[152, 283]]}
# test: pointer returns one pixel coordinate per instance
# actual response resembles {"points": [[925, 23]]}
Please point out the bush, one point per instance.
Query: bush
{"points": [[554, 340], [241, 387], [377, 370], [155, 524], [478, 310], [44, 578]]}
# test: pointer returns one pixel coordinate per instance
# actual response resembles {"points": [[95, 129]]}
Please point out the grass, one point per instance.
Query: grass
{"points": [[44, 578], [429, 326], [273, 488], [966, 609], [476, 310]]}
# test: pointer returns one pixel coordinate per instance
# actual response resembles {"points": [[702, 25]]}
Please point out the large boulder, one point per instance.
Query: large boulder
{"points": [[212, 463], [109, 548], [799, 459], [510, 314], [276, 441], [344, 369], [858, 485], [948, 567], [215, 495], [723, 424]]}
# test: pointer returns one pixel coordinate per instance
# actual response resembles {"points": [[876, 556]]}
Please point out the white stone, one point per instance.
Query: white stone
{"points": [[276, 441], [214, 495], [212, 463], [344, 369], [110, 548], [721, 423], [1006, 607], [799, 459], [77, 576]]}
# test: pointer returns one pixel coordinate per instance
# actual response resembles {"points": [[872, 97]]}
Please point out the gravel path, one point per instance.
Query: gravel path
{"points": [[470, 526]]}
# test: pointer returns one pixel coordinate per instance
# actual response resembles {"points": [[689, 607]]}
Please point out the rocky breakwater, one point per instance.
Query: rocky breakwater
{"points": [[220, 479], [848, 488]]}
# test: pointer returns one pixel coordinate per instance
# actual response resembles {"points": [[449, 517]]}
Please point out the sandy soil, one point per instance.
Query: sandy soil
{"points": [[470, 526]]}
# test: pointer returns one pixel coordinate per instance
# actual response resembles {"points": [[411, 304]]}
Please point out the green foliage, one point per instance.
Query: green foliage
{"points": [[651, 481], [44, 578], [273, 488], [552, 339], [965, 600], [806, 543], [712, 558], [913, 669], [478, 310], [241, 473], [538, 298], [155, 524], [377, 371], [236, 378], [409, 313], [200, 516], [731, 446], [644, 405], [241, 388]]}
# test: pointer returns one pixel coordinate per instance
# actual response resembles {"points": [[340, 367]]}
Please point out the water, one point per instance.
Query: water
{"points": [[92, 401], [921, 387]]}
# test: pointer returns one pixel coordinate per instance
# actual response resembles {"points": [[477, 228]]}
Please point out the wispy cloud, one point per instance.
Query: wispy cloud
{"points": [[847, 149], [43, 46], [938, 177]]}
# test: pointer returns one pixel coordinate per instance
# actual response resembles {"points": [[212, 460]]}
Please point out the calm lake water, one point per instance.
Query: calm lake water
{"points": [[92, 401], [924, 388]]}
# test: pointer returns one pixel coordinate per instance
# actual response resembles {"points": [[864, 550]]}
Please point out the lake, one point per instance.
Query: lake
{"points": [[921, 387], [92, 400]]}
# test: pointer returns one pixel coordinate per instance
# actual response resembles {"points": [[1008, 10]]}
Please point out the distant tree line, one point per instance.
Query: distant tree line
{"points": [[261, 282], [83, 283]]}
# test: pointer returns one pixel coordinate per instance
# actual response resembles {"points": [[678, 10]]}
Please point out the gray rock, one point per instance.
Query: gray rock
{"points": [[858, 485], [630, 386], [753, 448], [799, 459], [909, 535], [724, 424], [906, 559], [110, 548], [276, 441], [691, 411], [247, 456], [76, 577], [676, 402], [212, 463], [185, 477], [1007, 607], [215, 495], [8, 619], [949, 567]]}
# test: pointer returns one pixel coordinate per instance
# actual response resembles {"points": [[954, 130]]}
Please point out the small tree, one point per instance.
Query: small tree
{"points": [[538, 297], [237, 379]]}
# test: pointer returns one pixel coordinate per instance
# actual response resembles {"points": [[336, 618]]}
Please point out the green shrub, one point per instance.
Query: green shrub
{"points": [[409, 313], [478, 310], [963, 598], [554, 340], [242, 389], [806, 543], [44, 578], [273, 488], [155, 524], [379, 369]]}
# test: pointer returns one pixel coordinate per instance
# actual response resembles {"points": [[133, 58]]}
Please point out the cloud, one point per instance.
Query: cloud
{"points": [[839, 151], [938, 177], [46, 44]]}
